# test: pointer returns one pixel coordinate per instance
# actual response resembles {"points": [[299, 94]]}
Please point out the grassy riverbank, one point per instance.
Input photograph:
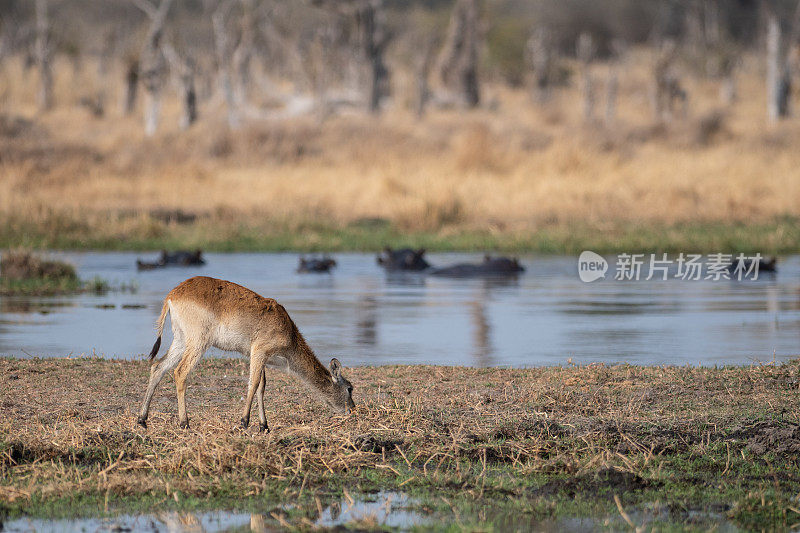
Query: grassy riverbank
{"points": [[23, 273], [512, 176], [688, 445], [212, 233]]}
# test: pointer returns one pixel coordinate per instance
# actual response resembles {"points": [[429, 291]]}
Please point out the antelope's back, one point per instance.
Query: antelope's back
{"points": [[238, 310]]}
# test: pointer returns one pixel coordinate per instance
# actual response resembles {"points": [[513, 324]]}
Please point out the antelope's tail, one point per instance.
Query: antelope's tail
{"points": [[160, 328]]}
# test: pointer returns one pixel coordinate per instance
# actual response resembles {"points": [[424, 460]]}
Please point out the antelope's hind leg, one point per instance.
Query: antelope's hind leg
{"points": [[159, 368], [190, 358]]}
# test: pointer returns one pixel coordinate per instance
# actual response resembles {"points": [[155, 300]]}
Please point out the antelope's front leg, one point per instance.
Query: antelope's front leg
{"points": [[262, 414], [256, 370]]}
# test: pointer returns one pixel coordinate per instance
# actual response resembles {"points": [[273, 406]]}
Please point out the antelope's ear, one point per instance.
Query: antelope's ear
{"points": [[336, 369]]}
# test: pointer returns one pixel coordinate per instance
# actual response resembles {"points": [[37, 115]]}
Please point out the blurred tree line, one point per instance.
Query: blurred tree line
{"points": [[344, 52]]}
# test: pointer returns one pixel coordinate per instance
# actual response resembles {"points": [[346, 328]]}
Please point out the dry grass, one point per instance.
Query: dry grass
{"points": [[67, 427], [517, 168]]}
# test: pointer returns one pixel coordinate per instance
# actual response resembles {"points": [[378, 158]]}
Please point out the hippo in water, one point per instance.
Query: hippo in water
{"points": [[764, 265], [179, 258], [315, 265], [490, 267], [403, 259]]}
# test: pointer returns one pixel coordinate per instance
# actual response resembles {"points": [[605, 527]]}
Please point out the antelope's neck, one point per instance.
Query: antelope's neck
{"points": [[306, 366]]}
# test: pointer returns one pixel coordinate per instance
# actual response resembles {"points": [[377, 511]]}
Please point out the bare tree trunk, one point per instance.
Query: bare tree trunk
{"points": [[222, 47], [131, 85], [153, 74], [423, 71], [154, 66], [773, 65], [727, 86], [667, 90], [612, 88], [539, 58], [585, 52], [458, 62], [374, 39], [779, 79], [184, 69], [104, 63], [189, 99], [43, 57], [618, 49], [243, 54]]}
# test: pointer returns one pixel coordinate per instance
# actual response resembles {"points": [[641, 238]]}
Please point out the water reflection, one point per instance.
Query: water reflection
{"points": [[386, 509], [366, 316], [383, 510], [367, 320], [482, 349], [22, 305]]}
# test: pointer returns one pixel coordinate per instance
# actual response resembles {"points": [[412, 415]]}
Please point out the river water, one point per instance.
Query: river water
{"points": [[547, 316]]}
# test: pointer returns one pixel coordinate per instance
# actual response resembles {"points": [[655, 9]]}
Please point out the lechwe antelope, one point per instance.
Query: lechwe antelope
{"points": [[211, 312]]}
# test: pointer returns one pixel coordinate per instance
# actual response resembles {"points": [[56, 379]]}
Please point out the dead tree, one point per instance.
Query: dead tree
{"points": [[153, 63], [43, 54], [585, 51], [222, 46], [539, 57], [105, 59], [243, 53], [423, 69], [779, 61], [777, 95], [374, 38], [667, 89], [618, 49], [367, 53], [184, 71], [728, 64], [458, 61], [131, 85]]}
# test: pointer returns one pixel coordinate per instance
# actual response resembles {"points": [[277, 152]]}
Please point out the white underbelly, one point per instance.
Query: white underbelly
{"points": [[232, 340]]}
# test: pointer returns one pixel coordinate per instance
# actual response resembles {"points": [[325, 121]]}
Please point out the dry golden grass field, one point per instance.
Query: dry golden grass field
{"points": [[523, 445], [513, 167]]}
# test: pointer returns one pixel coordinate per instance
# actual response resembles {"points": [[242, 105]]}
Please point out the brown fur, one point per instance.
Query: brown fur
{"points": [[211, 312]]}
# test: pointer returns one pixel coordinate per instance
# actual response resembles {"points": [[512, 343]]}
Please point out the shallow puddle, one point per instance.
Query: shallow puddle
{"points": [[387, 509], [375, 511]]}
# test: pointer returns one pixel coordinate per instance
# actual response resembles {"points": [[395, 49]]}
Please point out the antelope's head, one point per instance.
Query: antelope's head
{"points": [[341, 394]]}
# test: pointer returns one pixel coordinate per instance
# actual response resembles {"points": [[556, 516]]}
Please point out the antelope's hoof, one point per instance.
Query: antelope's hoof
{"points": [[184, 424], [263, 428], [244, 423], [142, 421]]}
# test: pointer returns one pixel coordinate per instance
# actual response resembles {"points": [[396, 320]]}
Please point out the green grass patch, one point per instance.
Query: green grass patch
{"points": [[115, 232]]}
